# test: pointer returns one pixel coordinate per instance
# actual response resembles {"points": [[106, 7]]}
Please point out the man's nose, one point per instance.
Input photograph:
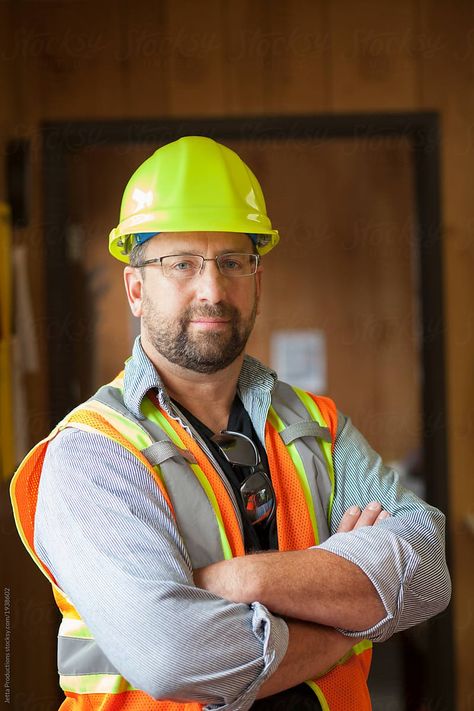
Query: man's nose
{"points": [[210, 283]]}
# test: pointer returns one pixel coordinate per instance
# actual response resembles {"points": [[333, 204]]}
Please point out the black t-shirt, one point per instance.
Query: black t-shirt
{"points": [[256, 538]]}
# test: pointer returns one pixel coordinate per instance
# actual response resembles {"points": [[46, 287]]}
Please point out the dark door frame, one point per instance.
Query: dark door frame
{"points": [[61, 139]]}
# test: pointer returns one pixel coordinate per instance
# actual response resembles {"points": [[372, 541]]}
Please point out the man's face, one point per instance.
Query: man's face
{"points": [[203, 323]]}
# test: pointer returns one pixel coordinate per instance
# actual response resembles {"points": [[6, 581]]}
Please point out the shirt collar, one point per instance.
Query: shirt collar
{"points": [[256, 382]]}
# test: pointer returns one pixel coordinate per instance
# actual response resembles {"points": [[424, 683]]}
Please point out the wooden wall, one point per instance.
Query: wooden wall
{"points": [[6, 82], [75, 59]]}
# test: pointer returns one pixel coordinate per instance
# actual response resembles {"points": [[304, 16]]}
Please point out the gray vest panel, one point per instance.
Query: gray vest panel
{"points": [[82, 656]]}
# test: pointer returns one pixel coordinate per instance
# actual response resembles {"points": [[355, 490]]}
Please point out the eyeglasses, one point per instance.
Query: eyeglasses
{"points": [[187, 266], [256, 491]]}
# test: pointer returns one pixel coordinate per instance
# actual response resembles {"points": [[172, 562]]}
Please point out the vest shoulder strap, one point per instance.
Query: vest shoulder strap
{"points": [[305, 428]]}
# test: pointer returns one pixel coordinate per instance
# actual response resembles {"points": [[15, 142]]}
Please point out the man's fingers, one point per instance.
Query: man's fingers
{"points": [[355, 518], [381, 517], [349, 519], [370, 514]]}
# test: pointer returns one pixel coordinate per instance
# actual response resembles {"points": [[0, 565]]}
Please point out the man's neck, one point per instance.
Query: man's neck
{"points": [[208, 396]]}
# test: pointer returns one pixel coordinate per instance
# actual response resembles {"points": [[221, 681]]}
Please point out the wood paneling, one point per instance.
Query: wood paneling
{"points": [[197, 51], [243, 32], [23, 44], [295, 50], [8, 62], [72, 58], [143, 58], [373, 55], [447, 81]]}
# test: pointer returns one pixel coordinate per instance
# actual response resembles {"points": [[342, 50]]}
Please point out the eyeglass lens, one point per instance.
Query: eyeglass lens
{"points": [[237, 448], [258, 497]]}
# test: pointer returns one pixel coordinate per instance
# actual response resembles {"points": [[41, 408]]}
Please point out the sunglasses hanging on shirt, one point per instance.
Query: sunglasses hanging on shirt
{"points": [[256, 491]]}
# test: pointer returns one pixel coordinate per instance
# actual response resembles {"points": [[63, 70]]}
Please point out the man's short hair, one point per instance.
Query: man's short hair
{"points": [[138, 254]]}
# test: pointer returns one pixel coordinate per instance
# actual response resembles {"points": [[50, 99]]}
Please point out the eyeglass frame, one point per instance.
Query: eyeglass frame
{"points": [[159, 261], [256, 468]]}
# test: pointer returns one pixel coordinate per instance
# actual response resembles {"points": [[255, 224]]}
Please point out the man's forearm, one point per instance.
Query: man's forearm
{"points": [[312, 651], [313, 585]]}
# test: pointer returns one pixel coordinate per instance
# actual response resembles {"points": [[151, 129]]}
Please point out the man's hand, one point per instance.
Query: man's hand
{"points": [[355, 518], [312, 584]]}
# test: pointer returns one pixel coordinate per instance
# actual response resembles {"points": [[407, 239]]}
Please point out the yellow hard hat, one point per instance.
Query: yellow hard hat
{"points": [[192, 185]]}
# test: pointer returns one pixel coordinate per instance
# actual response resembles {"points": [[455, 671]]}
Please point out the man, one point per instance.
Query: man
{"points": [[141, 504]]}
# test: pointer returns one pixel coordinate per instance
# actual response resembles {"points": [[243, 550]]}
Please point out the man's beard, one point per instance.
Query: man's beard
{"points": [[204, 352]]}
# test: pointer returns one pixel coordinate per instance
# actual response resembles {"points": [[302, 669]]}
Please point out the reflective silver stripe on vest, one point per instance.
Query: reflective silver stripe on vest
{"points": [[193, 510], [291, 411], [82, 656]]}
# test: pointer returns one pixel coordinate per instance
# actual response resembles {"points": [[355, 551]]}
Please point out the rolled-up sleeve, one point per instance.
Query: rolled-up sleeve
{"points": [[108, 536], [403, 556]]}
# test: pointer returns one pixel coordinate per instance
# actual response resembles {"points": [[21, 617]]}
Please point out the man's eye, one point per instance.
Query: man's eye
{"points": [[231, 265], [183, 266]]}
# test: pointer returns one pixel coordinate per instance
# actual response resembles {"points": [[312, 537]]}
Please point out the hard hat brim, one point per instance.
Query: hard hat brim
{"points": [[118, 239]]}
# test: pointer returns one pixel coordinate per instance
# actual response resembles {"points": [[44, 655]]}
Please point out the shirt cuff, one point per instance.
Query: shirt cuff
{"points": [[273, 633], [389, 562]]}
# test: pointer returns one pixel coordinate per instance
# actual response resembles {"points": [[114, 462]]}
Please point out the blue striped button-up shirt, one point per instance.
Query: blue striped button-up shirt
{"points": [[107, 535]]}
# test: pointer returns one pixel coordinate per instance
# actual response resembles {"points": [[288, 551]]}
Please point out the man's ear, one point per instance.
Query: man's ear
{"points": [[134, 289]]}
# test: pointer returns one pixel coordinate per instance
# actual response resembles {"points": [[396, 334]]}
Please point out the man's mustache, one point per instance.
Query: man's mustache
{"points": [[210, 311]]}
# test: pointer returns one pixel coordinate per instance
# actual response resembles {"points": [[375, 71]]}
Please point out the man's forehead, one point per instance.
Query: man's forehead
{"points": [[201, 241]]}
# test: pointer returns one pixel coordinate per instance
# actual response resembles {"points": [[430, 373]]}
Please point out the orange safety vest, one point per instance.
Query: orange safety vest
{"points": [[343, 687]]}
